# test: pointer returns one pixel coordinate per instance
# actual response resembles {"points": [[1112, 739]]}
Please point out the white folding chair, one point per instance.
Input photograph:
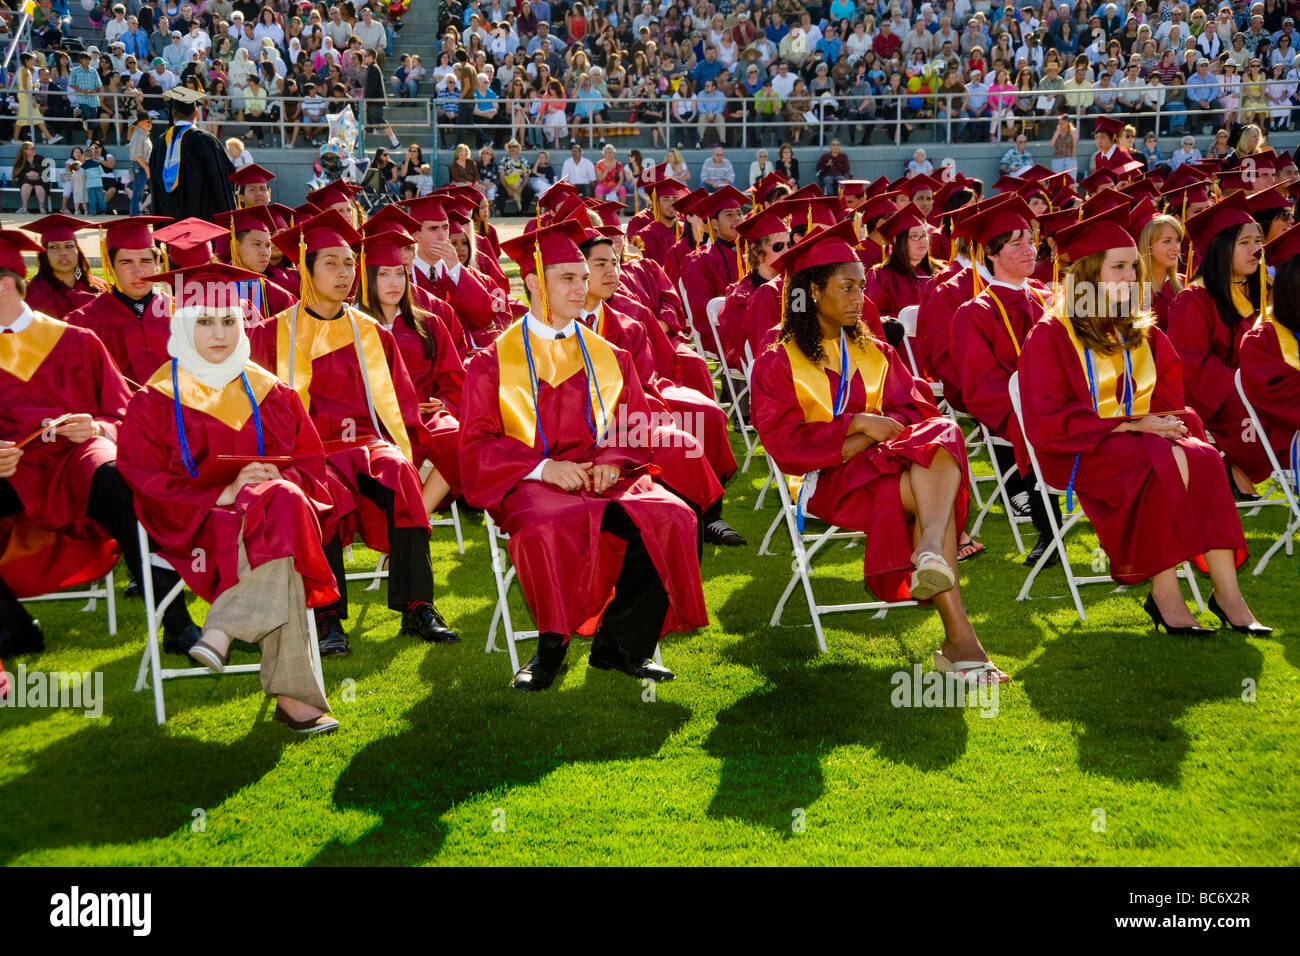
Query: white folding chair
{"points": [[907, 319], [151, 662], [1283, 476], [1060, 530], [92, 592], [991, 442], [806, 545], [720, 370], [503, 571]]}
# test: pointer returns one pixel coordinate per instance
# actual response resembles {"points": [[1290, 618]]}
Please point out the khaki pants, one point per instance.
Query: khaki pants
{"points": [[269, 607]]}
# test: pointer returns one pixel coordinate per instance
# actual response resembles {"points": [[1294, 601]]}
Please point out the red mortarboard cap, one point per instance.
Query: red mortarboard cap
{"points": [[1229, 212], [1264, 159], [427, 208], [1209, 166], [1275, 197], [825, 247], [13, 242], [305, 211], [1092, 235], [1192, 195], [762, 189], [1098, 180], [132, 233], [207, 284], [1284, 159], [58, 228], [608, 210], [385, 246], [877, 206], [966, 214], [1140, 215], [1142, 189], [728, 197], [1002, 218], [877, 186], [248, 218], [557, 195], [252, 173], [917, 184], [1106, 199], [1053, 222], [558, 242], [811, 191], [1283, 247], [906, 218], [854, 187], [188, 241], [333, 193], [1108, 124], [282, 214], [1129, 170], [390, 215], [685, 202], [665, 187], [1236, 180], [328, 230], [756, 225]]}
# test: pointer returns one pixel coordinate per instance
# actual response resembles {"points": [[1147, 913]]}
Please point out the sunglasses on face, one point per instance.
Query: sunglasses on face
{"points": [[779, 246]]}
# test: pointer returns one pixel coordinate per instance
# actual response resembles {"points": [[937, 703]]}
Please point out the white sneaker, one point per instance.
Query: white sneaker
{"points": [[56, 138]]}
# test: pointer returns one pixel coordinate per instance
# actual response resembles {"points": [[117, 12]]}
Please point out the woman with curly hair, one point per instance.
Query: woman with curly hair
{"points": [[839, 407]]}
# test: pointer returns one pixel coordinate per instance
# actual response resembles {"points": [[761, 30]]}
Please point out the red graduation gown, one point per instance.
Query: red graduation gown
{"points": [[1272, 385], [47, 294], [986, 357], [422, 298], [934, 330], [338, 410], [486, 261], [921, 348], [705, 274], [648, 281], [890, 291], [76, 375], [861, 494], [763, 316], [441, 377], [656, 240], [34, 561], [563, 561], [137, 345], [1128, 482], [286, 279], [279, 519], [871, 253], [482, 308], [731, 320], [1118, 157], [1160, 305], [1209, 351]]}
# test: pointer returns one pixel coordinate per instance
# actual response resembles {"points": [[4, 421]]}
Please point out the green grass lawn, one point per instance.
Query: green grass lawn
{"points": [[761, 752]]}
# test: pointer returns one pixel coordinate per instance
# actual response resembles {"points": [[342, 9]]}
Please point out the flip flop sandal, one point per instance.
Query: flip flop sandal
{"points": [[973, 672], [969, 549], [932, 576]]}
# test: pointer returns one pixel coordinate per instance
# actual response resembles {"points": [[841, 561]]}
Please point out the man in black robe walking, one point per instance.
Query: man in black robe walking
{"points": [[189, 170]]}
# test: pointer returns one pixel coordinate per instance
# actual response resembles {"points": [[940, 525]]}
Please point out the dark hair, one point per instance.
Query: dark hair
{"points": [[1215, 273], [406, 311], [1286, 294], [1265, 218], [20, 282], [800, 324], [899, 262], [43, 267]]}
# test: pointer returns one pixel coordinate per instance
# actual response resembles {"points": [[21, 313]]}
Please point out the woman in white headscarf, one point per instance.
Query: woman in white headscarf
{"points": [[230, 484], [241, 68]]}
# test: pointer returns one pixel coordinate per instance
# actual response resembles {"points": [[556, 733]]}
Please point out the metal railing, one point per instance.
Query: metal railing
{"points": [[940, 113]]}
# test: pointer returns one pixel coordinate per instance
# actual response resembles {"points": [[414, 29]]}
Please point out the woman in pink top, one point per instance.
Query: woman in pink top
{"points": [[1001, 98]]}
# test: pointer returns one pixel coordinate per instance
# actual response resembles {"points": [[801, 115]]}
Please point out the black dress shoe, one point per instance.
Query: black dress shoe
{"points": [[427, 624], [1258, 630], [330, 636], [609, 657], [719, 532], [1158, 620], [1042, 544], [540, 672], [180, 640], [133, 590], [22, 640]]}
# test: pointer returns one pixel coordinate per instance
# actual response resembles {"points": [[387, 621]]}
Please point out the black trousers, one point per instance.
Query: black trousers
{"points": [[1016, 483], [635, 616], [410, 569]]}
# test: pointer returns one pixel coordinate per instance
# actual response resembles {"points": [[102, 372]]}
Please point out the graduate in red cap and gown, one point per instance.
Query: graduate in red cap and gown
{"points": [[249, 239], [1105, 136], [428, 352], [62, 395], [1105, 409], [549, 448], [708, 270], [133, 318], [1270, 356], [839, 407], [222, 457], [696, 468], [63, 282], [1159, 243], [281, 270], [899, 281], [766, 236], [353, 382], [252, 186], [656, 228], [1206, 323]]}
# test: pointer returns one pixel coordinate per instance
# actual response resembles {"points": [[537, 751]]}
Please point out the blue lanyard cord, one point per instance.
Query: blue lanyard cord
{"points": [[186, 457], [841, 401], [532, 389], [1092, 391], [591, 384]]}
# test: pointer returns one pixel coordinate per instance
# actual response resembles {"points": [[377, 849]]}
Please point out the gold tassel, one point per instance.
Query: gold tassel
{"points": [[712, 238], [365, 297], [808, 229], [1263, 281], [977, 260], [166, 260], [105, 261], [235, 259], [541, 285], [308, 289], [740, 261]]}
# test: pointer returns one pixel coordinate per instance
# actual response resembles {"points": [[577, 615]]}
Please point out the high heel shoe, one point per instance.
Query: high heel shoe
{"points": [[1258, 630], [1158, 620], [1237, 492]]}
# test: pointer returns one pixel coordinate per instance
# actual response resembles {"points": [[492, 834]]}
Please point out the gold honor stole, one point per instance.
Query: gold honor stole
{"points": [[813, 388], [1109, 370], [1286, 340], [555, 361], [1240, 301], [315, 338], [228, 405], [23, 353]]}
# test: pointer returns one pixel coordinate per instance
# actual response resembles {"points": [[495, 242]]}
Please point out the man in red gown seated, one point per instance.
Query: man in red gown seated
{"points": [[545, 450]]}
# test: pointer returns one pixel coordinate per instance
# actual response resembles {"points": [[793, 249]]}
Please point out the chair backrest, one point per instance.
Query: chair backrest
{"points": [[714, 308], [907, 319], [1258, 426], [1013, 386]]}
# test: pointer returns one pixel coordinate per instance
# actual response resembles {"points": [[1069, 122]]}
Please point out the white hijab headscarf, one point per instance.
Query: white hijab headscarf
{"points": [[181, 347]]}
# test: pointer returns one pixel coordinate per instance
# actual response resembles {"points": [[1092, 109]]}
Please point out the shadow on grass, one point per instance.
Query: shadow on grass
{"points": [[473, 737], [772, 741], [126, 781], [1126, 693]]}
